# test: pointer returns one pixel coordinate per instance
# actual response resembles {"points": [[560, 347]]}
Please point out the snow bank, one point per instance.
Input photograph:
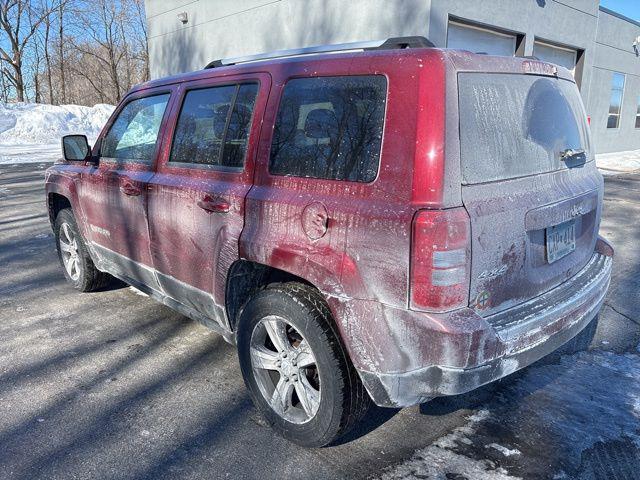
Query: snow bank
{"points": [[618, 162], [29, 123], [31, 132]]}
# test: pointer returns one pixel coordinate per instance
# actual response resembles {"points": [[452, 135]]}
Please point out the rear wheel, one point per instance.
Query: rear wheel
{"points": [[580, 343], [76, 262], [295, 367]]}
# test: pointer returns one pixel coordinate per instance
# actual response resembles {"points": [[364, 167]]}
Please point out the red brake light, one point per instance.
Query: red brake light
{"points": [[440, 260]]}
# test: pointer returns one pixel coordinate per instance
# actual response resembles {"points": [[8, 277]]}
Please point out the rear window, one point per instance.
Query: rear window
{"points": [[517, 125], [330, 127]]}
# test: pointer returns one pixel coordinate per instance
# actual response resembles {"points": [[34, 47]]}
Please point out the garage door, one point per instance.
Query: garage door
{"points": [[565, 57], [480, 40]]}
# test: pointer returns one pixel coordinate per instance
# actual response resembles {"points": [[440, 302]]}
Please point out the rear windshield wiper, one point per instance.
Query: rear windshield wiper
{"points": [[569, 153]]}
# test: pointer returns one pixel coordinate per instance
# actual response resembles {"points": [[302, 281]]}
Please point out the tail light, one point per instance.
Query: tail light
{"points": [[440, 260]]}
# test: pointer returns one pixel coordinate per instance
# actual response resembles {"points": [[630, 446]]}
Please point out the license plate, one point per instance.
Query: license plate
{"points": [[561, 240]]}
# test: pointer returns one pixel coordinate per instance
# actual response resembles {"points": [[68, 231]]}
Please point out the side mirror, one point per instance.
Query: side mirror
{"points": [[75, 148]]}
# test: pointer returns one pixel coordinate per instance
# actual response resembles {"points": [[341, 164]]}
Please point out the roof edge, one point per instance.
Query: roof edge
{"points": [[619, 15]]}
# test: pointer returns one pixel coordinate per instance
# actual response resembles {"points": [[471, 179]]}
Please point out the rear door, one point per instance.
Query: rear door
{"points": [[196, 197], [533, 197]]}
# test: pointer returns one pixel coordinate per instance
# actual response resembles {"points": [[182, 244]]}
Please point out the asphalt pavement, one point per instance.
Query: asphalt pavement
{"points": [[114, 385]]}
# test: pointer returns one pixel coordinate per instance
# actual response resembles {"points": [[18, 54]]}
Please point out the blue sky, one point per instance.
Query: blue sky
{"points": [[628, 8]]}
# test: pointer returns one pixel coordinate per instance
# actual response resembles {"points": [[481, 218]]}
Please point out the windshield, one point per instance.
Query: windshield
{"points": [[517, 125]]}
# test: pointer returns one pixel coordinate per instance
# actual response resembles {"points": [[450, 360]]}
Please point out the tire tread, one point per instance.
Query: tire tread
{"points": [[358, 401]]}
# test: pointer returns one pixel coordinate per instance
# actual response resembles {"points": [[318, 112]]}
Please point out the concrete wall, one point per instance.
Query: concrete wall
{"points": [[571, 23], [613, 52], [229, 28]]}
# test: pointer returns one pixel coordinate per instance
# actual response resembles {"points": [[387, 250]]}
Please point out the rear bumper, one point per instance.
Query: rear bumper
{"points": [[500, 344]]}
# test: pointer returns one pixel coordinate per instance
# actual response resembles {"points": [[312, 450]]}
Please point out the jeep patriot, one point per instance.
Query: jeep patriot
{"points": [[383, 222]]}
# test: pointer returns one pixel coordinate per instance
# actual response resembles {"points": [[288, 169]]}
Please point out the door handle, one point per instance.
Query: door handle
{"points": [[130, 189], [214, 205]]}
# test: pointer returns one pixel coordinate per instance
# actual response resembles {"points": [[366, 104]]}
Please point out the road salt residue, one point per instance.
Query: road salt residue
{"points": [[439, 461], [577, 418]]}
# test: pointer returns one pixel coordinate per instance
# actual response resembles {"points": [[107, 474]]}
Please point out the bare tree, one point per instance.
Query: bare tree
{"points": [[143, 39], [47, 56], [63, 86], [19, 20], [103, 30], [72, 51], [4, 84]]}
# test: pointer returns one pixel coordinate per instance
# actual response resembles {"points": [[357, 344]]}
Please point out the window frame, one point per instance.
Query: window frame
{"points": [[206, 166], [329, 75], [160, 138], [611, 92]]}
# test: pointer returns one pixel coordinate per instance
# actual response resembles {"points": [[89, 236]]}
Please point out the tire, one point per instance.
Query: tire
{"points": [[332, 398], [74, 257], [580, 343]]}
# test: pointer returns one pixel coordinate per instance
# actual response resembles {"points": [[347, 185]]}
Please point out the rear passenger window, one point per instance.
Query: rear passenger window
{"points": [[330, 127], [213, 126]]}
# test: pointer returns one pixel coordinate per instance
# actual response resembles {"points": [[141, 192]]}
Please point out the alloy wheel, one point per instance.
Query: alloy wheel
{"points": [[69, 250], [285, 369]]}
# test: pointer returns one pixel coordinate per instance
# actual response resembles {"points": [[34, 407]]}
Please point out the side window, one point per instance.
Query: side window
{"points": [[237, 135], [213, 126], [134, 133], [330, 127], [615, 103]]}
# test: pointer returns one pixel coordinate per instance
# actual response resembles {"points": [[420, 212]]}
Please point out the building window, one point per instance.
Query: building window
{"points": [[480, 40], [615, 105], [638, 114]]}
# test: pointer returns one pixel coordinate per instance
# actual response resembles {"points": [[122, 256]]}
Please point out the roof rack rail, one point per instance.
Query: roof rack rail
{"points": [[388, 44]]}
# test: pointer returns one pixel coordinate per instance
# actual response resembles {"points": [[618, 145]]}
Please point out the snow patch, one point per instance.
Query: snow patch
{"points": [[618, 162], [507, 452], [587, 399], [438, 461]]}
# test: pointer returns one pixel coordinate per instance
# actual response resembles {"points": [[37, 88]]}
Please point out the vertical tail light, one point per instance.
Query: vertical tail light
{"points": [[440, 260]]}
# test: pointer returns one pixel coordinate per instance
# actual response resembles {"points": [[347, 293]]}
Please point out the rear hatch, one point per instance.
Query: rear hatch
{"points": [[529, 184]]}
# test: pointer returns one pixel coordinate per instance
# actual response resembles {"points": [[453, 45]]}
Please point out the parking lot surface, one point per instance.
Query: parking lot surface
{"points": [[114, 385]]}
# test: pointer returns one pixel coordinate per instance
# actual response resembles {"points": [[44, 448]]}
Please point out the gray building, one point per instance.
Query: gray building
{"points": [[599, 45]]}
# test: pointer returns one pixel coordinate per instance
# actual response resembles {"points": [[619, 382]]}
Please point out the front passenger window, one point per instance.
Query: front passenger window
{"points": [[134, 133]]}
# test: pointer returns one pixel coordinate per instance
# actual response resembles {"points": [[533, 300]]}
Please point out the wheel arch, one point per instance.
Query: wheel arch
{"points": [[245, 278], [56, 202]]}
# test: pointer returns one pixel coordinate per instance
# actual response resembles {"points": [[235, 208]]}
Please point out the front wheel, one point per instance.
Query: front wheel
{"points": [[295, 367], [76, 262]]}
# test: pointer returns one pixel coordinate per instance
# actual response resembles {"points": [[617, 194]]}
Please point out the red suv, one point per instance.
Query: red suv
{"points": [[387, 223]]}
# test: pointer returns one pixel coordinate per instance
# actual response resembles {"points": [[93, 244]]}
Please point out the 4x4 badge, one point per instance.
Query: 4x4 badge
{"points": [[495, 272]]}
